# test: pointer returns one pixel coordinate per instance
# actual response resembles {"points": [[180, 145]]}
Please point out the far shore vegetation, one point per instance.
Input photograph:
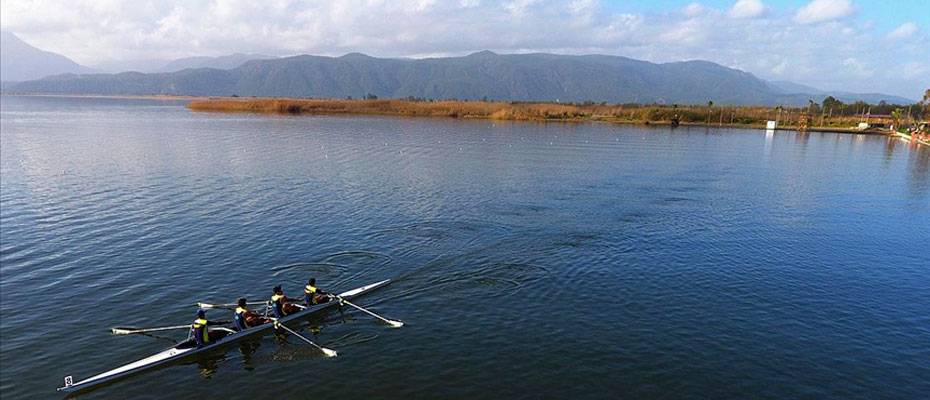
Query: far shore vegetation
{"points": [[830, 114]]}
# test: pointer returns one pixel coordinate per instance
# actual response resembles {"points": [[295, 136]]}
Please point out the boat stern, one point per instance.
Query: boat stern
{"points": [[69, 384]]}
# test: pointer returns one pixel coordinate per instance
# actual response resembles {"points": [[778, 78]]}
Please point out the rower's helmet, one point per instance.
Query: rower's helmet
{"points": [[312, 281], [241, 302], [201, 313]]}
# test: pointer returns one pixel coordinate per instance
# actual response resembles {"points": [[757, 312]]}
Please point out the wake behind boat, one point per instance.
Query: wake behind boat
{"points": [[220, 336]]}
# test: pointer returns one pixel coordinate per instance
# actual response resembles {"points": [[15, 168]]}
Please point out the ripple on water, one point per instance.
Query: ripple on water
{"points": [[656, 263]]}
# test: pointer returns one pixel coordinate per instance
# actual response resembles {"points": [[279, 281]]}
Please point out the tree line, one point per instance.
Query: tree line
{"points": [[833, 106]]}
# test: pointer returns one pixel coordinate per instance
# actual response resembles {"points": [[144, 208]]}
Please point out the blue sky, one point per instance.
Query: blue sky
{"points": [[885, 14], [848, 45]]}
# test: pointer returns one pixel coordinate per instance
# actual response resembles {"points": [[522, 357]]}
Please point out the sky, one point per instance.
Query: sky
{"points": [[849, 45]]}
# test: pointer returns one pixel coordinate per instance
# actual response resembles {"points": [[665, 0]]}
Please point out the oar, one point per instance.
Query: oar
{"points": [[229, 305], [327, 352], [126, 330], [392, 323]]}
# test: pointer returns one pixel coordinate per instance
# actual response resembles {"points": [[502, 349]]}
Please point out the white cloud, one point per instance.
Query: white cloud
{"points": [[812, 54], [780, 68], [519, 7], [689, 32], [858, 68], [824, 10], [915, 70], [693, 10], [747, 9], [904, 31]]}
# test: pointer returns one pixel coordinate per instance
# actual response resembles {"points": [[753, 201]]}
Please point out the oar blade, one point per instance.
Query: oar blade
{"points": [[207, 306], [390, 322], [328, 352], [123, 330]]}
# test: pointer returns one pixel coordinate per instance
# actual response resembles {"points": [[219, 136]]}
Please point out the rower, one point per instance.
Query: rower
{"points": [[279, 302], [312, 294], [199, 328], [243, 315]]}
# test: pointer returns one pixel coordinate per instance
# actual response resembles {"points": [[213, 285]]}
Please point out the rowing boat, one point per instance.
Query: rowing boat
{"points": [[188, 348]]}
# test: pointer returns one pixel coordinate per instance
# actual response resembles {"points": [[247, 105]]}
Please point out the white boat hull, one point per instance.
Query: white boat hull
{"points": [[176, 353]]}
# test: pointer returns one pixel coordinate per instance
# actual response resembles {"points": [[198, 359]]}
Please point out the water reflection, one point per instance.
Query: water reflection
{"points": [[208, 365], [802, 139], [890, 146], [769, 138], [247, 349], [918, 171]]}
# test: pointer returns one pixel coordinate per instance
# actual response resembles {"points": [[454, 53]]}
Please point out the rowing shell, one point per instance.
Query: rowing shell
{"points": [[188, 349]]}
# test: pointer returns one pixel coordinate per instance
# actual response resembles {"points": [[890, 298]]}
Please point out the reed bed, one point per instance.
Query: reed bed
{"points": [[532, 111]]}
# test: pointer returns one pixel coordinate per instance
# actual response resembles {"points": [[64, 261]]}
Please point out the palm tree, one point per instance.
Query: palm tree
{"points": [[896, 118], [926, 104]]}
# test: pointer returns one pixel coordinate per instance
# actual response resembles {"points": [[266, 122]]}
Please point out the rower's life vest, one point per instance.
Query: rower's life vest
{"points": [[201, 324], [310, 295], [278, 300], [241, 322]]}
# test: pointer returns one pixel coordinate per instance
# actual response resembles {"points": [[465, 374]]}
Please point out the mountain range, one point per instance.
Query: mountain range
{"points": [[23, 62], [161, 65], [482, 75], [222, 62], [20, 61]]}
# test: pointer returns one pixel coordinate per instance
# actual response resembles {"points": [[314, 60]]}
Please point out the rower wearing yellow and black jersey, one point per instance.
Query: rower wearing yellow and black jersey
{"points": [[312, 294], [199, 328], [279, 302]]}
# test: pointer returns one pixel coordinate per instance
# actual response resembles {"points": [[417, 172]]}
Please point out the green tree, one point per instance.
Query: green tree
{"points": [[926, 104], [832, 103], [896, 118], [812, 108]]}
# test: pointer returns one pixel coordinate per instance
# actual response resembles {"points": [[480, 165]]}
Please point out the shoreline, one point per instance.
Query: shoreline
{"points": [[162, 97], [540, 112]]}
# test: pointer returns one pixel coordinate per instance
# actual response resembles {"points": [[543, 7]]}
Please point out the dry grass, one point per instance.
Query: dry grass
{"points": [[642, 114], [453, 109]]}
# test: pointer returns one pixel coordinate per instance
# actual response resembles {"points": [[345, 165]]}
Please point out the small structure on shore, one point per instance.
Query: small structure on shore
{"points": [[804, 122], [875, 121]]}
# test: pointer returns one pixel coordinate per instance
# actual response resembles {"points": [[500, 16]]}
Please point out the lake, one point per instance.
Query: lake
{"points": [[530, 260]]}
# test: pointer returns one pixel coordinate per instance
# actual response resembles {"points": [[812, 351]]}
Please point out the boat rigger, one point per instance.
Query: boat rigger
{"points": [[220, 336]]}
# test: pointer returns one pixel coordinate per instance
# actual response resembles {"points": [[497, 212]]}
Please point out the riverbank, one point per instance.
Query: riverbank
{"points": [[911, 139], [160, 97], [726, 116]]}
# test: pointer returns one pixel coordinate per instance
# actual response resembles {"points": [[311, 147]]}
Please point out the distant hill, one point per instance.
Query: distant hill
{"points": [[20, 61], [509, 77], [791, 87], [786, 87], [223, 62], [144, 65], [156, 65]]}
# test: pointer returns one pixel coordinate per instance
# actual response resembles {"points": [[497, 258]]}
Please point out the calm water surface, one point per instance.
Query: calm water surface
{"points": [[531, 260]]}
